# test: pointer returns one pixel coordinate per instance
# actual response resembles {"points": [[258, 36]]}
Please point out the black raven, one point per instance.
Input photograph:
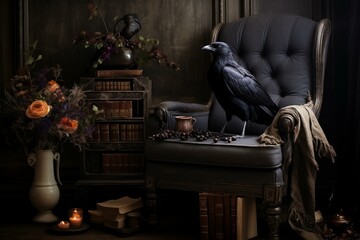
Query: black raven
{"points": [[235, 88], [132, 25]]}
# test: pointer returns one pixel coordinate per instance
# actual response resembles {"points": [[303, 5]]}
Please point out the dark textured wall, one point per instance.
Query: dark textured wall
{"points": [[182, 27]]}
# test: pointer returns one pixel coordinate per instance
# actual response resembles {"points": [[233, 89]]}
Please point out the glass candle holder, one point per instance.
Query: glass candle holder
{"points": [[63, 225], [76, 217]]}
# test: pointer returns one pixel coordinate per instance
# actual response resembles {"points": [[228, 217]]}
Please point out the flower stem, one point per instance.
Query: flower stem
{"points": [[103, 20]]}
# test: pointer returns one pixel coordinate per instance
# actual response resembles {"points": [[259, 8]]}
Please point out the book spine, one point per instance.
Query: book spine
{"points": [[112, 164], [123, 131], [115, 109], [114, 85], [125, 163], [106, 163], [106, 85], [128, 109], [135, 132], [118, 73], [107, 109], [131, 162], [119, 163], [233, 217], [98, 86], [125, 109], [128, 131], [227, 216], [114, 135], [122, 109], [104, 132], [122, 163], [219, 217], [106, 73], [204, 217], [211, 213]]}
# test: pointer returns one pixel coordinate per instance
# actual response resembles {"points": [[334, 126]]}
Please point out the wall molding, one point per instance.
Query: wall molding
{"points": [[218, 15], [23, 31]]}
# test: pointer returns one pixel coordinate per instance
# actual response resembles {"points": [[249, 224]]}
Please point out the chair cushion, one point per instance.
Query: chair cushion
{"points": [[242, 153]]}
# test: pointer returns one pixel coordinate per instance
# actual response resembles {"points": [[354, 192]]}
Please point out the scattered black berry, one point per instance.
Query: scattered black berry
{"points": [[199, 135]]}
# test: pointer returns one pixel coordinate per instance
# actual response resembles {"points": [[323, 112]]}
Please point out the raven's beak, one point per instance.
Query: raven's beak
{"points": [[208, 48]]}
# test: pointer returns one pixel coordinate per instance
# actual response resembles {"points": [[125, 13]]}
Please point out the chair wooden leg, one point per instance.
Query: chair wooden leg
{"points": [[273, 221], [272, 198]]}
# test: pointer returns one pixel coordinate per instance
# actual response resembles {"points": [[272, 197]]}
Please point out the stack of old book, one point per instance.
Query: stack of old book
{"points": [[113, 213], [227, 217]]}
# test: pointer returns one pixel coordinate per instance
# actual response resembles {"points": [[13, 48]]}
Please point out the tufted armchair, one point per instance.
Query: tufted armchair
{"points": [[287, 55]]}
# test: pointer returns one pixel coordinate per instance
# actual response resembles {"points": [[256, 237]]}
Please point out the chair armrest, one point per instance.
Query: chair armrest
{"points": [[166, 112], [183, 107], [286, 127], [323, 32]]}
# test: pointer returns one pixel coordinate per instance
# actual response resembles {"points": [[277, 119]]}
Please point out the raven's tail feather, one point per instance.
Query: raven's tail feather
{"points": [[270, 112]]}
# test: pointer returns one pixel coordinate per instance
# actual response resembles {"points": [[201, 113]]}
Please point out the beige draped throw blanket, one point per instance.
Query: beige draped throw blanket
{"points": [[310, 142]]}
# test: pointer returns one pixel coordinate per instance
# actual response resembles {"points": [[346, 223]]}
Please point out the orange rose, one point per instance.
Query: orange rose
{"points": [[38, 109], [52, 86], [68, 125]]}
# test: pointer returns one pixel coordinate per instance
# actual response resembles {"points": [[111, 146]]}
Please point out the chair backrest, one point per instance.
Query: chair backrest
{"points": [[286, 54]]}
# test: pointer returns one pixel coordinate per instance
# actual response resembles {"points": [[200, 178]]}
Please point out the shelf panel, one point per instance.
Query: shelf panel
{"points": [[120, 120], [113, 95], [116, 182], [113, 164], [116, 146], [118, 109], [118, 177]]}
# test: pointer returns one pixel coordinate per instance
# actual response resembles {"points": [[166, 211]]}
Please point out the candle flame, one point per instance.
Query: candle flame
{"points": [[76, 215]]}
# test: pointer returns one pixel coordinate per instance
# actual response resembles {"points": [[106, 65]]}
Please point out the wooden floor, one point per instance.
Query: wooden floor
{"points": [[174, 224], [33, 231], [36, 231], [178, 220]]}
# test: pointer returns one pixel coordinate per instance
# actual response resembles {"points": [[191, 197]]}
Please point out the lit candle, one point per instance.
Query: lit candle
{"points": [[63, 225], [75, 222], [75, 217]]}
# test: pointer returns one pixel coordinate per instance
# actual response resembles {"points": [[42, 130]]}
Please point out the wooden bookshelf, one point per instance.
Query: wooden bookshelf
{"points": [[115, 155]]}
